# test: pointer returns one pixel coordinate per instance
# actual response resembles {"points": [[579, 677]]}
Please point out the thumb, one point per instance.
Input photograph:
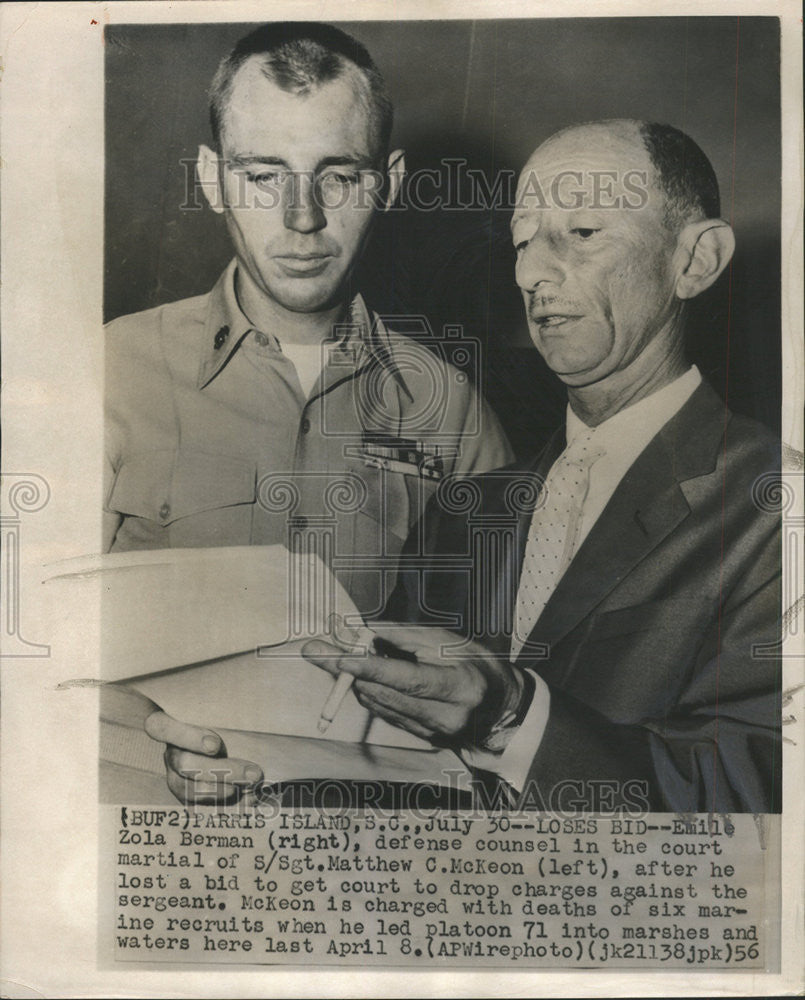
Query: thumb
{"points": [[164, 728]]}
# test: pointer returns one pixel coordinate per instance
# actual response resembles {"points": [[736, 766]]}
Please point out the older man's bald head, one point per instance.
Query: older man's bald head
{"points": [[678, 167]]}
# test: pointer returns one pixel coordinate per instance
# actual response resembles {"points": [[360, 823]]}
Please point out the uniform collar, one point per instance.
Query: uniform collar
{"points": [[362, 335], [367, 336], [224, 329]]}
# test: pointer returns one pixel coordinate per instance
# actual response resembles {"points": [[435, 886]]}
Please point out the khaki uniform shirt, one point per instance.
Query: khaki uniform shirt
{"points": [[211, 440]]}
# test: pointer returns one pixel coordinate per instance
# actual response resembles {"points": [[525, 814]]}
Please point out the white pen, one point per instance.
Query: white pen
{"points": [[337, 694], [343, 681]]}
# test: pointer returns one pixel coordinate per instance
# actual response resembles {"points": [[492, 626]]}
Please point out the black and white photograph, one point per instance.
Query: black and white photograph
{"points": [[403, 512]]}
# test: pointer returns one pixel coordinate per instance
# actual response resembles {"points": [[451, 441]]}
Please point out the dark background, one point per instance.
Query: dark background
{"points": [[489, 91]]}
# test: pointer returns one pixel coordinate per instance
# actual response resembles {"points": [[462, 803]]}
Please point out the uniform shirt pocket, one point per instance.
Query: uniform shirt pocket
{"points": [[168, 485], [386, 511]]}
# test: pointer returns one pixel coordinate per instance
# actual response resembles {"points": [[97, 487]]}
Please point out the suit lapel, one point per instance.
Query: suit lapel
{"points": [[646, 507]]}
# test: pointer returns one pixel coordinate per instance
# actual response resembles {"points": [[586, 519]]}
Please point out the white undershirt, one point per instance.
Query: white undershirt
{"points": [[308, 360], [623, 437]]}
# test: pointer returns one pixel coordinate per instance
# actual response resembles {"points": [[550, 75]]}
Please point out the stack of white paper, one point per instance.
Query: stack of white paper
{"points": [[213, 636]]}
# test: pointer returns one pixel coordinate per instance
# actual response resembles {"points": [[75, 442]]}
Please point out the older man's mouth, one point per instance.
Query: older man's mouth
{"points": [[547, 321]]}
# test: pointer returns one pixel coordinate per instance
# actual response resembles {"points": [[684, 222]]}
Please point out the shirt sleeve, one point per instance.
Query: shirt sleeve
{"points": [[484, 445], [514, 763]]}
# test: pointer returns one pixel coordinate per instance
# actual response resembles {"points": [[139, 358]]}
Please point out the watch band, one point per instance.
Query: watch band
{"points": [[505, 728]]}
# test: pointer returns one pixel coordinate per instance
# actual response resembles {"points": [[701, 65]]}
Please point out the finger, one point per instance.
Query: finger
{"points": [[433, 716], [125, 706], [197, 793], [164, 728], [335, 661], [443, 681], [324, 655], [229, 770], [411, 725]]}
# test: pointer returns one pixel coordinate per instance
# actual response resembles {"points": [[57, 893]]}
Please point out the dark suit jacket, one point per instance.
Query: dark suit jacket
{"points": [[660, 643]]}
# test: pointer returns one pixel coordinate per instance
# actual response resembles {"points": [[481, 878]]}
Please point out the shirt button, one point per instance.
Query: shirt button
{"points": [[304, 427], [165, 511]]}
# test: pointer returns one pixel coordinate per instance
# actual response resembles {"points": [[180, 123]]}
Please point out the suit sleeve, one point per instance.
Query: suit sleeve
{"points": [[719, 750]]}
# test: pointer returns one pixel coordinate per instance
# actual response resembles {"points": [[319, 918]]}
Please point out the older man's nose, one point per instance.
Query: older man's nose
{"points": [[538, 261], [303, 211]]}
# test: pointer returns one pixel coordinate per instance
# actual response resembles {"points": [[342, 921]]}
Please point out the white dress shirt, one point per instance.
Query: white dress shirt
{"points": [[623, 437]]}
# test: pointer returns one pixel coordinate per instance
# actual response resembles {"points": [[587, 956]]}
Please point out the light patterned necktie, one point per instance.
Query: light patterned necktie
{"points": [[553, 534]]}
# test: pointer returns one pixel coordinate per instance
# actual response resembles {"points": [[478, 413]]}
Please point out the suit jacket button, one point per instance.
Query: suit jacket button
{"points": [[304, 427], [165, 511], [220, 337]]}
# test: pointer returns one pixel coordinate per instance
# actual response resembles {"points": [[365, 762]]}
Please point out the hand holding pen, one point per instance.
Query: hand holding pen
{"points": [[356, 638], [426, 681]]}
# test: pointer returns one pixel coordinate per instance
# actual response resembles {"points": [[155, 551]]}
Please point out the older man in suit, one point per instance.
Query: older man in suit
{"points": [[617, 628]]}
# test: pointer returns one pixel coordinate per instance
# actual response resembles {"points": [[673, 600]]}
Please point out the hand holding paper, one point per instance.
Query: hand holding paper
{"points": [[198, 770], [201, 640]]}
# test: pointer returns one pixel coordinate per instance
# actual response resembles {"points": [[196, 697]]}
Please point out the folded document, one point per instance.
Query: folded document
{"points": [[213, 636]]}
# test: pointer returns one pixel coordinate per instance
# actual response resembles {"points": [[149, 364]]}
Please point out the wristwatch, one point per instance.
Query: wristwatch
{"points": [[507, 725]]}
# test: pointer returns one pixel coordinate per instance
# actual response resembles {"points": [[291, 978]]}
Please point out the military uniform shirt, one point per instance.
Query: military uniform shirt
{"points": [[211, 440]]}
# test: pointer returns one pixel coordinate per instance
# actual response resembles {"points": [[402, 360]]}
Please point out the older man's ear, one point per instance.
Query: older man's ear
{"points": [[703, 251]]}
